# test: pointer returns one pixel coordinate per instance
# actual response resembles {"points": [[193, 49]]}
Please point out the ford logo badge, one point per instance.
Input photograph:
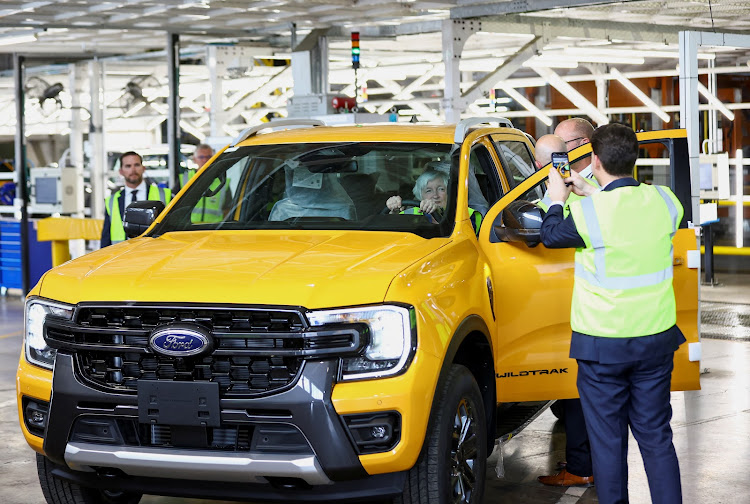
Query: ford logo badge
{"points": [[180, 341]]}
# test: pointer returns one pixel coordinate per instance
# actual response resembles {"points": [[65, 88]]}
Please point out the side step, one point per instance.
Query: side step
{"points": [[512, 418]]}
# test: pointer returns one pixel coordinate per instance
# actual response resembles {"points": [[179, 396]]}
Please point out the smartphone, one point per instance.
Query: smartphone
{"points": [[561, 164]]}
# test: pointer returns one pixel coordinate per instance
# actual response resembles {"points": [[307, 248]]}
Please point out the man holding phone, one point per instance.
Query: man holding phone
{"points": [[623, 314]]}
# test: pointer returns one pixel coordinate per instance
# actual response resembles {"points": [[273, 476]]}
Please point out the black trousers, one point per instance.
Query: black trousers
{"points": [[577, 449], [636, 395]]}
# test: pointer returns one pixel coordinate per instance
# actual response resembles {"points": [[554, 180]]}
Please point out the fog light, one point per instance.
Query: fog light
{"points": [[374, 432], [378, 432], [35, 415]]}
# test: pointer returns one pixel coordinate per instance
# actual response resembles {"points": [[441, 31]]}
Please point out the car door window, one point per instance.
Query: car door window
{"points": [[484, 184], [518, 164]]}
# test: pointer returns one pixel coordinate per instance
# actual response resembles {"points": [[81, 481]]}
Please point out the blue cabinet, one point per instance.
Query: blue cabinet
{"points": [[40, 255]]}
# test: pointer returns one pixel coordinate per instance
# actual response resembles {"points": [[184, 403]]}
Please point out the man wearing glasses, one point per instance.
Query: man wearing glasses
{"points": [[575, 132], [577, 470]]}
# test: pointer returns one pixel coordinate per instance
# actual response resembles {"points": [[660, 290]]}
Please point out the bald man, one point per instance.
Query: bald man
{"points": [[545, 146], [575, 132]]}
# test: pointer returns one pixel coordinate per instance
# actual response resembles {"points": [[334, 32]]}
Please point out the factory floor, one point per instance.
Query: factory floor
{"points": [[711, 426]]}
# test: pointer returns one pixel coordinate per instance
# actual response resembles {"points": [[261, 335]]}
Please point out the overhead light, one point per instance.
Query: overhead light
{"points": [[550, 62], [612, 52], [18, 38], [593, 56], [648, 102]]}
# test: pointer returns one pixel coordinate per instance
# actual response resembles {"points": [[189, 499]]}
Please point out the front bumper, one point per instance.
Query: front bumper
{"points": [[330, 465]]}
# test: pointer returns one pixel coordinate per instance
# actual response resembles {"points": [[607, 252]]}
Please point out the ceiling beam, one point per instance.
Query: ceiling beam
{"points": [[519, 6], [571, 94], [503, 72]]}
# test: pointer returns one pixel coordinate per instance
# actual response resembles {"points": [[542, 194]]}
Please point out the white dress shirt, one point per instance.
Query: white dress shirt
{"points": [[142, 193]]}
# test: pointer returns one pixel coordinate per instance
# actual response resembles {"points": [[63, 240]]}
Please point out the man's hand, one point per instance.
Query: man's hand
{"points": [[557, 190], [579, 185]]}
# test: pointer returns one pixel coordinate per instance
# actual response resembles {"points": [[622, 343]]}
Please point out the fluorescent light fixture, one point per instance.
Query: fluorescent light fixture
{"points": [[550, 62], [630, 53], [623, 58], [18, 38], [525, 103], [652, 106], [715, 102]]}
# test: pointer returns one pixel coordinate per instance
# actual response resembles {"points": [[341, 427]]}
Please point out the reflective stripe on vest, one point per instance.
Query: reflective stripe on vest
{"points": [[623, 277], [116, 229]]}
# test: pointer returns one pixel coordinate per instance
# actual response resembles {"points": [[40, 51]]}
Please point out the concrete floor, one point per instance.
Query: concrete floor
{"points": [[711, 426]]}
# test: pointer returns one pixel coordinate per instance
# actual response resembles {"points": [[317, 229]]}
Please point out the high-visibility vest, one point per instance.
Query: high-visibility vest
{"points": [[545, 202], [208, 208], [112, 206], [474, 216], [623, 277]]}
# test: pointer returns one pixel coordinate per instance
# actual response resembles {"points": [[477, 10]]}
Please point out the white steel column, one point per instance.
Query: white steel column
{"points": [[98, 154], [75, 154], [217, 94], [455, 34], [690, 41]]}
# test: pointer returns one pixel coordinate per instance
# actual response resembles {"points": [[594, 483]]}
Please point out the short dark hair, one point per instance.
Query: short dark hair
{"points": [[616, 146], [130, 153]]}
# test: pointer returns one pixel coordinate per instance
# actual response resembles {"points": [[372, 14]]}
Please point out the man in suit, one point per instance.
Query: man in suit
{"points": [[623, 312], [577, 469], [136, 189]]}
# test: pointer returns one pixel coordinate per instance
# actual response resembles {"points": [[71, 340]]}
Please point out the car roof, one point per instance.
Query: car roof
{"points": [[422, 133]]}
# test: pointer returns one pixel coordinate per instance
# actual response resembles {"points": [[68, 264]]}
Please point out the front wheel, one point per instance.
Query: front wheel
{"points": [[451, 468], [57, 491]]}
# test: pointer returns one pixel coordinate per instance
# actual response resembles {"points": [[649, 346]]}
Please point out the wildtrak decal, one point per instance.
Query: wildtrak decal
{"points": [[533, 372]]}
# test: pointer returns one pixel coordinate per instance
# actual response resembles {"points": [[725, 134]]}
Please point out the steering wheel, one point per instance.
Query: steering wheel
{"points": [[404, 203]]}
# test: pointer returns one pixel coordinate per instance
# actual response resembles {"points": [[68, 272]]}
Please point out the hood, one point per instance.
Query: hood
{"points": [[313, 269]]}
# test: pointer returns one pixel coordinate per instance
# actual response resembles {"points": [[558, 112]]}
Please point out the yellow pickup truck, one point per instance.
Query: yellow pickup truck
{"points": [[316, 345]]}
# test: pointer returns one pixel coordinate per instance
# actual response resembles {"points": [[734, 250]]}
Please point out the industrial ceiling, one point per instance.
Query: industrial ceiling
{"points": [[402, 49]]}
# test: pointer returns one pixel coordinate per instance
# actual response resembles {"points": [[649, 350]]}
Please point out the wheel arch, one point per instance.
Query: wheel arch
{"points": [[472, 348]]}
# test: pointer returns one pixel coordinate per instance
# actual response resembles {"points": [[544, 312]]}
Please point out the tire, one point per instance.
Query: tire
{"points": [[451, 468], [58, 491]]}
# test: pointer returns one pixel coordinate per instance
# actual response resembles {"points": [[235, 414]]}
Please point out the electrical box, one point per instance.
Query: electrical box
{"points": [[55, 190]]}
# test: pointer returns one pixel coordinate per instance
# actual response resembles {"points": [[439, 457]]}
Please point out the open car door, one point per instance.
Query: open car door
{"points": [[533, 285]]}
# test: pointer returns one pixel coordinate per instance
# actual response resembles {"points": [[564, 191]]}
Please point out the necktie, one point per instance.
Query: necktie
{"points": [[134, 196]]}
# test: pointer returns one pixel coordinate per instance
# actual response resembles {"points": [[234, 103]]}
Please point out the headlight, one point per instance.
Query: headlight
{"points": [[392, 339], [37, 351]]}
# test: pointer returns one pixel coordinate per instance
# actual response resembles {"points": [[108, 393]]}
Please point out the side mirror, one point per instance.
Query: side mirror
{"points": [[520, 222], [139, 216]]}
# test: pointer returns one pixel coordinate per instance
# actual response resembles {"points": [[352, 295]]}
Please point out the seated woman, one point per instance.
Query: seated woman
{"points": [[431, 191]]}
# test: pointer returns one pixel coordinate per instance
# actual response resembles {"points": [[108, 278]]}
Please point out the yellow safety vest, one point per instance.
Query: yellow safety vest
{"points": [[208, 208], [112, 205], [474, 216], [623, 277]]}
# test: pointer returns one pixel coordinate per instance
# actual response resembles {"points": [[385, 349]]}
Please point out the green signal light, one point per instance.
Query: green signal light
{"points": [[355, 50]]}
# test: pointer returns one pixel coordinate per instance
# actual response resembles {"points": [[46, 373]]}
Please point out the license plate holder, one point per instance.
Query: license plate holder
{"points": [[179, 403]]}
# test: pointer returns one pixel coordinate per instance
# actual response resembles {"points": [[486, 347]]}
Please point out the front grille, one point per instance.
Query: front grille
{"points": [[247, 437], [255, 351]]}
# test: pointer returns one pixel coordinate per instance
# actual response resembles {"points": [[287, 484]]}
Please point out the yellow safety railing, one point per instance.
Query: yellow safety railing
{"points": [[60, 230]]}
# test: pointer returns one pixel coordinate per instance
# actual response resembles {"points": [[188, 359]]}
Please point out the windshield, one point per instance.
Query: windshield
{"points": [[318, 186]]}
